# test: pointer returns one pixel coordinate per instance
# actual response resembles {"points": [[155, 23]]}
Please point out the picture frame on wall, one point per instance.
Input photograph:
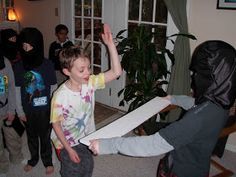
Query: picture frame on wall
{"points": [[226, 4]]}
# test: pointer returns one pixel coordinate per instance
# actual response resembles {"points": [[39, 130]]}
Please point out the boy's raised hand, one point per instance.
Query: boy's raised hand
{"points": [[106, 35]]}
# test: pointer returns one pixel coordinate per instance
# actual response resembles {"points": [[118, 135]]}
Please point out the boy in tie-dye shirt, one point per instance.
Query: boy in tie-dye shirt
{"points": [[72, 107]]}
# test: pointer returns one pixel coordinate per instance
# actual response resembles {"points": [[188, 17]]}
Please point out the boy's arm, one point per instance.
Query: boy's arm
{"points": [[19, 108], [51, 52], [116, 69], [141, 146], [52, 89], [186, 102], [11, 91], [60, 135]]}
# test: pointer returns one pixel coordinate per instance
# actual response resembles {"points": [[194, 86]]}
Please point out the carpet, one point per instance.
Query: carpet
{"points": [[111, 165]]}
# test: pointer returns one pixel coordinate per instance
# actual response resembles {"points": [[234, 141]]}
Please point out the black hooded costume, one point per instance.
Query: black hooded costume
{"points": [[2, 64], [190, 140], [35, 78], [195, 135], [10, 48], [34, 58], [214, 73]]}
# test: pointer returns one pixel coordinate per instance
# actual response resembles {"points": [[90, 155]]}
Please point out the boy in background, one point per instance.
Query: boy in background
{"points": [[72, 107], [62, 41]]}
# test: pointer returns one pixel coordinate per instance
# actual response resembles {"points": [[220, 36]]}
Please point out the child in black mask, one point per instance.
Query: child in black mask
{"points": [[35, 82], [13, 130], [191, 140], [7, 111], [10, 45]]}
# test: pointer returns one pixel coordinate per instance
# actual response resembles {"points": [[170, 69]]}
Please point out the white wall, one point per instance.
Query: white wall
{"points": [[206, 22], [40, 14]]}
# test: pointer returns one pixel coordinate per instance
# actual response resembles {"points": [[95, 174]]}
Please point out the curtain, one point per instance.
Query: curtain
{"points": [[180, 75]]}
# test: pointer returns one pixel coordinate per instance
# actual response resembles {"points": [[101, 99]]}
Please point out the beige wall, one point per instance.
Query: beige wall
{"points": [[40, 14], [206, 23]]}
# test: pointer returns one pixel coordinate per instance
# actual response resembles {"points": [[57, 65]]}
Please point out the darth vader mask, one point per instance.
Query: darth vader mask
{"points": [[214, 73]]}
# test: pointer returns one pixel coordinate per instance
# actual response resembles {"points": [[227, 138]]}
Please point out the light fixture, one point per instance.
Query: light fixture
{"points": [[11, 15]]}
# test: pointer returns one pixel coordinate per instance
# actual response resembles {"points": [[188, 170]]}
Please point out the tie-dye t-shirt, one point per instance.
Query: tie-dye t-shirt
{"points": [[75, 110]]}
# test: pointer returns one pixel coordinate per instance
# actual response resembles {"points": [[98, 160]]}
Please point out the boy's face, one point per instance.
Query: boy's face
{"points": [[80, 71], [27, 47], [62, 35], [12, 39]]}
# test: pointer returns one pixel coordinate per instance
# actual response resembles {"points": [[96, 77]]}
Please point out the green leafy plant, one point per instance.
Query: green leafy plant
{"points": [[146, 68]]}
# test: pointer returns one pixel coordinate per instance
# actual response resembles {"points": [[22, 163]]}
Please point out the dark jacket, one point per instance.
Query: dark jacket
{"points": [[54, 51]]}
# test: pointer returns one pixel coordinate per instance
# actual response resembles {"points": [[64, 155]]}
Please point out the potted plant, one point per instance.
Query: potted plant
{"points": [[146, 68]]}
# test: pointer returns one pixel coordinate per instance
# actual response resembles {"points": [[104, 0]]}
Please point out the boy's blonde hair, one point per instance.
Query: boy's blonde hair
{"points": [[69, 55]]}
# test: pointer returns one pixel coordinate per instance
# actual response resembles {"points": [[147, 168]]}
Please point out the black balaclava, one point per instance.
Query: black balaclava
{"points": [[33, 58], [9, 48], [214, 73], [2, 64]]}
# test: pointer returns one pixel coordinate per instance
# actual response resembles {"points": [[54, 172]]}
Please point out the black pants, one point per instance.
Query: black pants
{"points": [[82, 169], [38, 131], [221, 142]]}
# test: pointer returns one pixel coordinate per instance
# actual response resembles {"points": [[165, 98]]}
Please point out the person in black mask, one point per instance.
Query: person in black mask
{"points": [[190, 140], [13, 130], [7, 113], [10, 45], [35, 82]]}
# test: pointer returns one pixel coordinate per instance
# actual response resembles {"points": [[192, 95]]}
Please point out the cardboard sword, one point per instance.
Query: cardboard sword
{"points": [[129, 121]]}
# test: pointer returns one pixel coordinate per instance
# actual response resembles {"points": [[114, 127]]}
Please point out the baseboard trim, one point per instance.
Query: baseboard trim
{"points": [[230, 147]]}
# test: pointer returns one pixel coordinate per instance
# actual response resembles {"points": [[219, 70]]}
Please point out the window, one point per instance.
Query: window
{"points": [[88, 25], [88, 20], [153, 14]]}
